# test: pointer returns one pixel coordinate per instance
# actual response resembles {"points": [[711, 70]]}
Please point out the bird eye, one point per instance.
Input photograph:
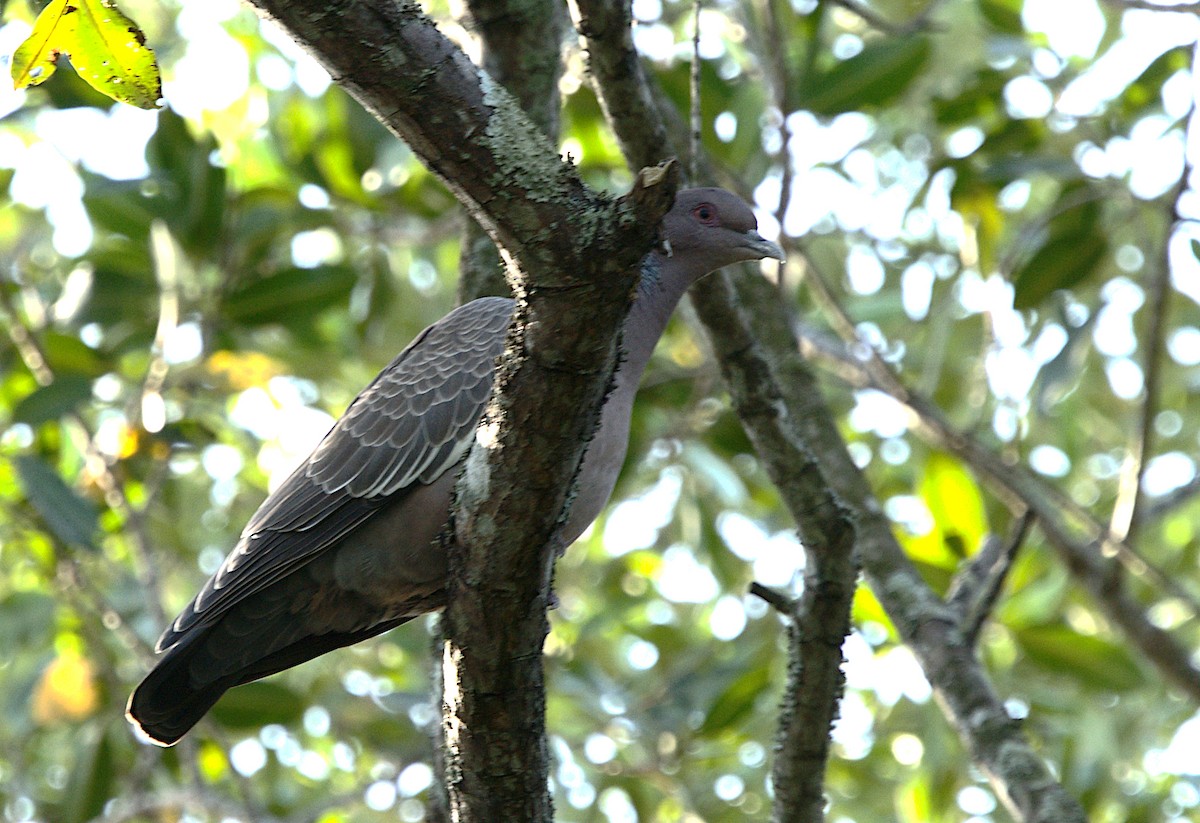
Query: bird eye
{"points": [[706, 214]]}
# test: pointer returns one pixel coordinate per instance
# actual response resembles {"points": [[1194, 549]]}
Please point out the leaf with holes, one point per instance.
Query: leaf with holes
{"points": [[107, 49], [37, 57]]}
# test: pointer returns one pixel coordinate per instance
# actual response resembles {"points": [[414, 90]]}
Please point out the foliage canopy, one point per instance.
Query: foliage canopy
{"points": [[1000, 205]]}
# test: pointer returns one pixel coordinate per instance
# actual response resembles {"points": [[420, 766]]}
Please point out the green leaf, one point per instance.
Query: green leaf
{"points": [[1094, 662], [192, 189], [26, 621], [118, 206], [737, 701], [257, 704], [1003, 15], [1060, 264], [91, 784], [67, 353], [877, 74], [292, 291], [1146, 90], [1074, 248], [72, 518], [106, 48], [53, 401], [977, 102]]}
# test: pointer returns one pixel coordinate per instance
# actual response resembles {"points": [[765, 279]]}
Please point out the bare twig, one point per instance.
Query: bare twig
{"points": [[780, 406], [1022, 489], [1168, 503], [694, 143], [777, 600], [1124, 521], [877, 21], [1150, 5], [974, 590], [1086, 556]]}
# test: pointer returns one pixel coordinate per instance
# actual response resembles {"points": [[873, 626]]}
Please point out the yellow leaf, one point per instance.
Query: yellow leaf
{"points": [[954, 500], [35, 59], [242, 370], [107, 49], [212, 762], [65, 691]]}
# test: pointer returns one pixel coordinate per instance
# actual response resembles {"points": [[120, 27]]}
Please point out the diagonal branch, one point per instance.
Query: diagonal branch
{"points": [[572, 259], [1022, 488], [522, 50], [976, 587], [778, 402], [1084, 555]]}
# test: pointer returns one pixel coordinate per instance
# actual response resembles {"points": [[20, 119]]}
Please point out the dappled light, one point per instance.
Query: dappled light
{"points": [[993, 266]]}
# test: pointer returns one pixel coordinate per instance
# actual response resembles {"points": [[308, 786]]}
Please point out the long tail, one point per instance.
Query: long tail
{"points": [[177, 693]]}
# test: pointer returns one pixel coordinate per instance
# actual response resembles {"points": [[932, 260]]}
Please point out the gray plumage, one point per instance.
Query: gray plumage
{"points": [[346, 547]]}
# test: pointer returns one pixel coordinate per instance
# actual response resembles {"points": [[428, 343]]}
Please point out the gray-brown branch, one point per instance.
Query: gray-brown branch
{"points": [[573, 286], [801, 425]]}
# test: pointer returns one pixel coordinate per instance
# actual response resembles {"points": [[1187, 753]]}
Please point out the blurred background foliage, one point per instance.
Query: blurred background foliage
{"points": [[190, 296]]}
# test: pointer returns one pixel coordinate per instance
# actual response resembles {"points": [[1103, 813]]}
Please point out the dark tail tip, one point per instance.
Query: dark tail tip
{"points": [[166, 704]]}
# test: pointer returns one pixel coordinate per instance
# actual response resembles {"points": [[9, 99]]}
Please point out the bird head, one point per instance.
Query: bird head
{"points": [[716, 227]]}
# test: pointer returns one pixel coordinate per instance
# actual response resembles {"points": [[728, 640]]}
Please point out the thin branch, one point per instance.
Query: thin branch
{"points": [[1149, 5], [779, 404], [777, 600], [105, 474], [1168, 503], [976, 587], [1124, 521], [629, 105], [877, 21], [1085, 556], [1022, 488]]}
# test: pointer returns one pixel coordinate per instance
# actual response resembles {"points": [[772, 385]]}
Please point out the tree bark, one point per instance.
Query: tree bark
{"points": [[522, 49], [778, 402], [572, 259]]}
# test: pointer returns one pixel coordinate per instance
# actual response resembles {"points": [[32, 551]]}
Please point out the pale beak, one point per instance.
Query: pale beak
{"points": [[762, 247]]}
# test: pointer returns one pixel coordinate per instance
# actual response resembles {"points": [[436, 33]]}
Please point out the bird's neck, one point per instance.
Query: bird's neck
{"points": [[663, 282]]}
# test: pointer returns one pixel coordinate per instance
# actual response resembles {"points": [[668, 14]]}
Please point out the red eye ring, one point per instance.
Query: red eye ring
{"points": [[706, 214]]}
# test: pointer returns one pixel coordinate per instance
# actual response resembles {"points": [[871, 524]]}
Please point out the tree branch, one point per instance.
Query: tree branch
{"points": [[758, 350], [522, 49], [621, 86], [572, 259], [1021, 487], [975, 588], [821, 618], [1124, 521], [1084, 556], [521, 44]]}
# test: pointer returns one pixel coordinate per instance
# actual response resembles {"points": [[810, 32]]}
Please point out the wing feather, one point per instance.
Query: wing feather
{"points": [[413, 423]]}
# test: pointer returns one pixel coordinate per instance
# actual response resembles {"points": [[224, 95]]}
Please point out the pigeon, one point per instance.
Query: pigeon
{"points": [[347, 546]]}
